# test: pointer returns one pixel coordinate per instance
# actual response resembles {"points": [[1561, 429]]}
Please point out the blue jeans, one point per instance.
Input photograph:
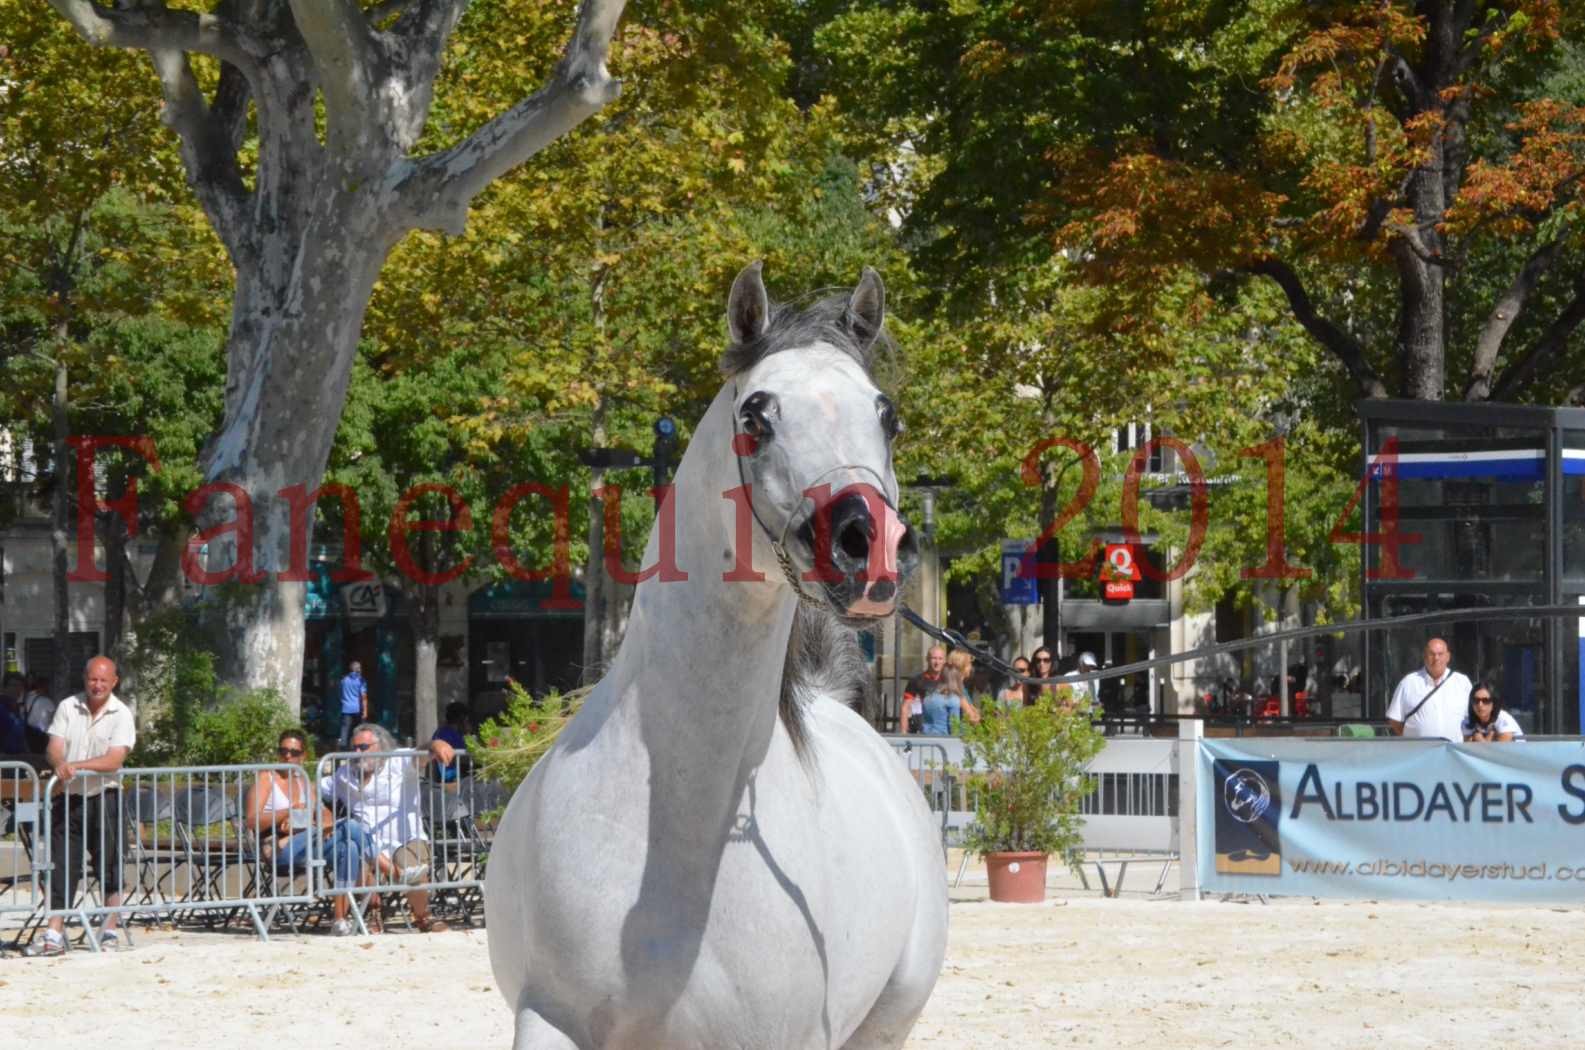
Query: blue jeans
{"points": [[347, 722], [347, 845]]}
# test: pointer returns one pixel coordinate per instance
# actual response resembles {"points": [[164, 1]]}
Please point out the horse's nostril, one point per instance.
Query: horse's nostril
{"points": [[882, 590], [855, 541]]}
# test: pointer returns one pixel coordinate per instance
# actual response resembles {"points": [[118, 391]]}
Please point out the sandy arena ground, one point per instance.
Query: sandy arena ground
{"points": [[1077, 970]]}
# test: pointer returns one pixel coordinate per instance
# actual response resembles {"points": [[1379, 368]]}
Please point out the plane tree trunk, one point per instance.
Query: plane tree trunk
{"points": [[309, 235]]}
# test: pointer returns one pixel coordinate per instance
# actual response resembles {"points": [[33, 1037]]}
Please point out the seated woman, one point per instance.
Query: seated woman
{"points": [[280, 810], [1487, 722], [947, 703]]}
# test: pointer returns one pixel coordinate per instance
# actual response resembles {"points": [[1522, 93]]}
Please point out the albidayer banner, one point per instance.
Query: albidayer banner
{"points": [[1403, 819]]}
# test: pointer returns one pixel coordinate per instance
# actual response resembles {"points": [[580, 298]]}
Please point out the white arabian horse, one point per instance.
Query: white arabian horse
{"points": [[718, 853]]}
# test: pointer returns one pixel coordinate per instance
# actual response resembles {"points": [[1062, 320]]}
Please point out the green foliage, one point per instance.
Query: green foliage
{"points": [[1027, 775], [187, 718], [506, 747], [242, 727]]}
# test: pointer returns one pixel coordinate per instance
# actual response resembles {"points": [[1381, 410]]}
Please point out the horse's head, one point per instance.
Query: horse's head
{"points": [[812, 436]]}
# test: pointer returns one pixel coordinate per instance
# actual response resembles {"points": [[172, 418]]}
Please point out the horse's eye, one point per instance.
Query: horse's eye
{"points": [[890, 424], [757, 414]]}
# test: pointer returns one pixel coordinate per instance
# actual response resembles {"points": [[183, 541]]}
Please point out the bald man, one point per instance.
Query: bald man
{"points": [[90, 737], [1431, 701]]}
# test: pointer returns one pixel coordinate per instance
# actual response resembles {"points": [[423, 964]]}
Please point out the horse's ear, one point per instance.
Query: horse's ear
{"points": [[748, 307], [867, 309]]}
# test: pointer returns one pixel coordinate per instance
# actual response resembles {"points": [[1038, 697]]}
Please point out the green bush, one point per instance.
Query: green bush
{"points": [[185, 716], [1026, 771], [242, 727], [506, 747]]}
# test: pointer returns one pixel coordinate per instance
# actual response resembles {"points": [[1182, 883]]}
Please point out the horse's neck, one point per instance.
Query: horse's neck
{"points": [[702, 658]]}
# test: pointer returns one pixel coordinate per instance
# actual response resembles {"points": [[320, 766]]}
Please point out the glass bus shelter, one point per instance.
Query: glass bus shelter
{"points": [[1496, 494]]}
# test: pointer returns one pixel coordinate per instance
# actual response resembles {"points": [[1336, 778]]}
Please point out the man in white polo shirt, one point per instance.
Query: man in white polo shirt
{"points": [[90, 737], [1432, 701]]}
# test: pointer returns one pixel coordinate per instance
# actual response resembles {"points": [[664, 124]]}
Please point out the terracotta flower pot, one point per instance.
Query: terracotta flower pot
{"points": [[1017, 878]]}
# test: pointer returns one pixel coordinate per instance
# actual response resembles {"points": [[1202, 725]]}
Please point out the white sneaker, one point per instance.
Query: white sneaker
{"points": [[109, 940], [53, 944], [342, 928]]}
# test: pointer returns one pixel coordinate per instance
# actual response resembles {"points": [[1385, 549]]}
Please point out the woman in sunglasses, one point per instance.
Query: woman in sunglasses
{"points": [[280, 809], [1043, 666], [1487, 722]]}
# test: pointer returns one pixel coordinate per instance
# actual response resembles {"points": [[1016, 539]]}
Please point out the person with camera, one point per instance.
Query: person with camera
{"points": [[1487, 722]]}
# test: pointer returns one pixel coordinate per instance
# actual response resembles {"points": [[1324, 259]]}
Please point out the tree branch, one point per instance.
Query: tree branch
{"points": [[208, 150], [1549, 346], [157, 27], [342, 47], [1325, 331], [435, 193], [1501, 319], [417, 43]]}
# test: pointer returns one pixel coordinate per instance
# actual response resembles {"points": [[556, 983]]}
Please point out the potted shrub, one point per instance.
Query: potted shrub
{"points": [[1025, 769]]}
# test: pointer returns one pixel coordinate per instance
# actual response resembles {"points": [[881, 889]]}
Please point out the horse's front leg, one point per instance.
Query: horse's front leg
{"points": [[533, 1032]]}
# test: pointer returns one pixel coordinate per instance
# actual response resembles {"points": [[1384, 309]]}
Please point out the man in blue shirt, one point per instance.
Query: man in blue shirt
{"points": [[354, 704]]}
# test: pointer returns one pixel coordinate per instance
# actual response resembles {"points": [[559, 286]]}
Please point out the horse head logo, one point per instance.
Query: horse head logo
{"points": [[1246, 795]]}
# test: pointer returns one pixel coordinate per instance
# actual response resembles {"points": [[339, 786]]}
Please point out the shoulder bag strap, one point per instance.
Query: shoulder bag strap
{"points": [[1427, 697]]}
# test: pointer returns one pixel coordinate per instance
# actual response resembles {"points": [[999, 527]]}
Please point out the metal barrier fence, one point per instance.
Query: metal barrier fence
{"points": [[21, 828], [929, 766], [426, 831], [212, 844], [176, 844]]}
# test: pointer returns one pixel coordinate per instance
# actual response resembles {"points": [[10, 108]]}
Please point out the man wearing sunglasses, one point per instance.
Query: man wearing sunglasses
{"points": [[381, 793]]}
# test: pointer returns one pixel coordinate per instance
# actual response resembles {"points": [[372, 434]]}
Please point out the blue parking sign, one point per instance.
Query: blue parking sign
{"points": [[1019, 585]]}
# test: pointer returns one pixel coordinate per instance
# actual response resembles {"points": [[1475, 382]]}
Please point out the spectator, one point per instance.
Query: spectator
{"points": [[1013, 694], [12, 689], [13, 734], [1084, 692], [279, 809], [909, 718], [1430, 702], [1487, 721], [39, 711], [382, 795], [946, 704], [1042, 666], [354, 703], [91, 736], [454, 732], [963, 660]]}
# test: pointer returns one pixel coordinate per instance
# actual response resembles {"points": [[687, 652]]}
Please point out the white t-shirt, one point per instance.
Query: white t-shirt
{"points": [[1442, 715], [90, 736], [1504, 723], [39, 711], [387, 803]]}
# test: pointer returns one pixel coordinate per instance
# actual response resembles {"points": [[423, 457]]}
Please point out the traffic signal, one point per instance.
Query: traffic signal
{"points": [[665, 449]]}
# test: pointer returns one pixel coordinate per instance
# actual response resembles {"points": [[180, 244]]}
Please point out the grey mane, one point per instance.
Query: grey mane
{"points": [[823, 656], [825, 321]]}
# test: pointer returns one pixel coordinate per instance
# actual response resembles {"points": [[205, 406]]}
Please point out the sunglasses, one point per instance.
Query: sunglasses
{"points": [[363, 747], [1482, 699], [1042, 659], [291, 752]]}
